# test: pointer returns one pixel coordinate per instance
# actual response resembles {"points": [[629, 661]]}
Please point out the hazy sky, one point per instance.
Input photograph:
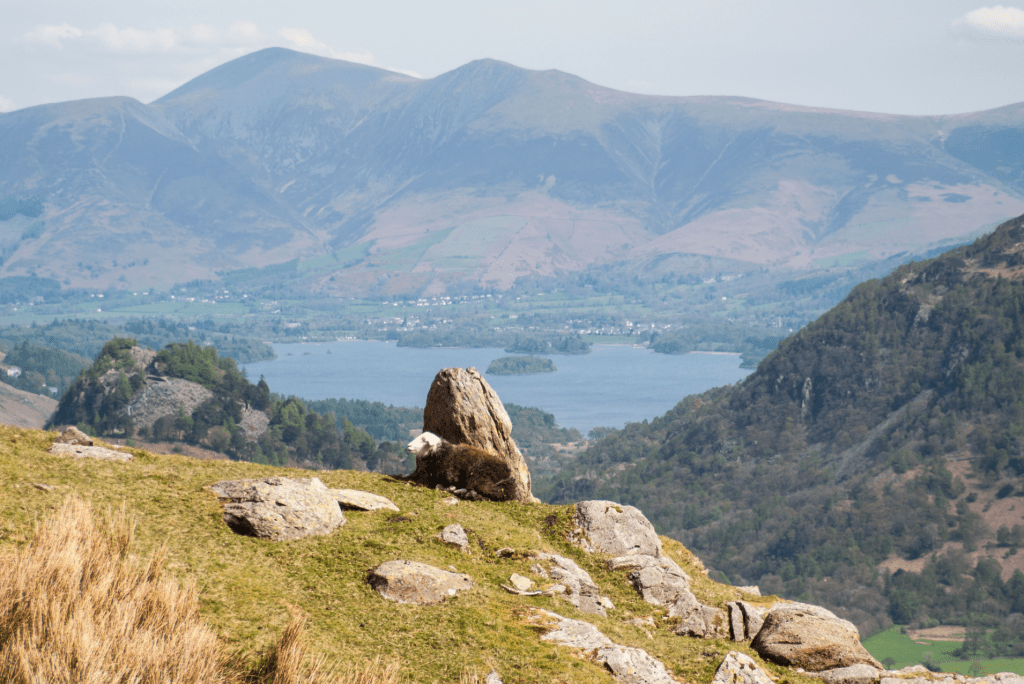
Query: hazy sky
{"points": [[897, 56]]}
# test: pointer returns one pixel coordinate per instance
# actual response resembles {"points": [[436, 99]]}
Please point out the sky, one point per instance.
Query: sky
{"points": [[898, 57]]}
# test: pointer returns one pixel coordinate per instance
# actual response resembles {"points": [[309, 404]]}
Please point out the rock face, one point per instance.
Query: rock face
{"points": [[801, 635], [608, 527], [416, 583], [356, 500], [627, 664], [165, 397], [279, 508], [739, 668], [454, 535], [463, 409]]}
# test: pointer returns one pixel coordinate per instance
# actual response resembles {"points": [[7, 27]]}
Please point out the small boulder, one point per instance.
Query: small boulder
{"points": [[279, 508], [416, 583], [493, 678], [739, 668], [454, 535], [802, 635], [463, 409], [608, 527], [580, 589], [355, 500], [73, 435], [704, 622]]}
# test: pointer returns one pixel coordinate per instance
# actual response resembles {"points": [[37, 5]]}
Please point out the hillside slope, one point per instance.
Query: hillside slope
{"points": [[886, 434], [488, 173]]}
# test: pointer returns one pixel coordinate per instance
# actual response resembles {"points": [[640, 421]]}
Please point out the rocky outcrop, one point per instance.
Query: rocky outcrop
{"points": [[802, 635], [95, 452], [608, 527], [627, 664], [580, 589], [454, 535], [739, 668], [165, 397], [420, 584], [279, 508], [463, 409], [704, 622], [353, 499], [254, 423]]}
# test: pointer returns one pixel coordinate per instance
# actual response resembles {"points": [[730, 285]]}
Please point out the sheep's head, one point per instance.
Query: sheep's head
{"points": [[424, 443]]}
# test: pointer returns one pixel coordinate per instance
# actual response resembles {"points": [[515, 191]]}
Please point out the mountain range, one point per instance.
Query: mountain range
{"points": [[377, 180]]}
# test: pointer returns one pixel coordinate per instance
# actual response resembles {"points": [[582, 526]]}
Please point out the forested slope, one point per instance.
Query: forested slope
{"points": [[885, 431]]}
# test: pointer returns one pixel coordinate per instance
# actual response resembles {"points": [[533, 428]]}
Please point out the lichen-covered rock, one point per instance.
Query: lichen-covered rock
{"points": [[608, 527], [802, 635], [416, 583], [356, 500], [455, 535], [279, 508], [739, 668], [96, 452], [463, 409], [704, 622]]}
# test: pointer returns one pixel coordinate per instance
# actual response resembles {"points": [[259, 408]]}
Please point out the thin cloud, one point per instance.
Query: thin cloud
{"points": [[303, 40], [52, 36], [991, 23], [6, 104]]}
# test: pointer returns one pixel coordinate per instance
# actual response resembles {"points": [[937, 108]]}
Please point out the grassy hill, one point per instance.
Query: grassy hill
{"points": [[250, 588]]}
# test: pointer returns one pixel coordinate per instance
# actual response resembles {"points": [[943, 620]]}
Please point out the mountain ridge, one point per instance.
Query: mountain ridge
{"points": [[280, 155]]}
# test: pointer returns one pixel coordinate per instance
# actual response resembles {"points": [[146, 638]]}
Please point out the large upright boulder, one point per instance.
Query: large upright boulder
{"points": [[463, 409]]}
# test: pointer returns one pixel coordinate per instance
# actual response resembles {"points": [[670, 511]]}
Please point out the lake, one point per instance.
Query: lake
{"points": [[612, 386]]}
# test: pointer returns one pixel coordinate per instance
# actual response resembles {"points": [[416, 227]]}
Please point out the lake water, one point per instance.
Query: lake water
{"points": [[612, 386]]}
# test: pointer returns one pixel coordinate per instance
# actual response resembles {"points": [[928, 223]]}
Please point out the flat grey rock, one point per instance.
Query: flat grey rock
{"points": [[704, 622], [94, 452], [279, 508], [363, 501], [616, 529], [420, 584], [574, 633], [739, 668], [854, 674]]}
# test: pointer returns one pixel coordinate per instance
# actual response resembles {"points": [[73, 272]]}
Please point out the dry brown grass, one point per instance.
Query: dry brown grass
{"points": [[74, 609]]}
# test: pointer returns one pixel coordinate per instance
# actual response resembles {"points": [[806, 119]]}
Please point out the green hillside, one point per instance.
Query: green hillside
{"points": [[890, 430]]}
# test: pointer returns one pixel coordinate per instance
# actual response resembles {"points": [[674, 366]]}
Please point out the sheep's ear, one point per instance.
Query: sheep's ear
{"points": [[430, 438]]}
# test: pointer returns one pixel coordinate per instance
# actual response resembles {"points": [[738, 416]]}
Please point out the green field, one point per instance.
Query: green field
{"points": [[892, 643]]}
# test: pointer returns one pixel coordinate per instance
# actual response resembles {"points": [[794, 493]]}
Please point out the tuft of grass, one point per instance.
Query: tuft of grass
{"points": [[74, 609]]}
